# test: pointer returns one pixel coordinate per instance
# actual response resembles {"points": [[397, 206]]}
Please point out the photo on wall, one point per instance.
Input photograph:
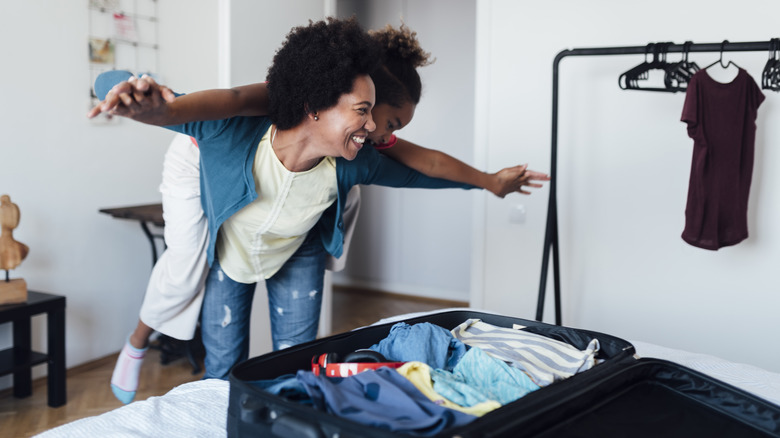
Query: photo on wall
{"points": [[101, 51]]}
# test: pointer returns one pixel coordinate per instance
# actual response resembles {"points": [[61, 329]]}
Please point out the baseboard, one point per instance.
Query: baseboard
{"points": [[422, 299], [39, 382], [402, 289]]}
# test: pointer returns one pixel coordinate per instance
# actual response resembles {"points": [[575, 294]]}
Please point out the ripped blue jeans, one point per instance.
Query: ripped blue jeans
{"points": [[294, 302]]}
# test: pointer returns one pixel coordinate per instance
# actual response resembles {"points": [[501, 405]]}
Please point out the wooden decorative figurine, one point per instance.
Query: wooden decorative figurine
{"points": [[11, 253]]}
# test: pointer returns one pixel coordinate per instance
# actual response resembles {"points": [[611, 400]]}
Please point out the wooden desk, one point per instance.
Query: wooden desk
{"points": [[19, 359], [145, 214]]}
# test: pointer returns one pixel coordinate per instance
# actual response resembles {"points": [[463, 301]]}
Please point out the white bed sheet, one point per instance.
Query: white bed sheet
{"points": [[199, 409], [192, 410]]}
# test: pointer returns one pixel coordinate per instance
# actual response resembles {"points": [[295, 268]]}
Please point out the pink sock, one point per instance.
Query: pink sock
{"points": [[124, 381]]}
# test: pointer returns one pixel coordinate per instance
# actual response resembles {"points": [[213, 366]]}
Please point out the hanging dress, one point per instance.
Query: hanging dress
{"points": [[721, 119]]}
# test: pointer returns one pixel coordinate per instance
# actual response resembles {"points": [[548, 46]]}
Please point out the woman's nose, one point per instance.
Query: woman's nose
{"points": [[370, 125]]}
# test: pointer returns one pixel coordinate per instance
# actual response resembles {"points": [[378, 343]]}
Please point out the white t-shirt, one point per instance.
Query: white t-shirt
{"points": [[254, 243]]}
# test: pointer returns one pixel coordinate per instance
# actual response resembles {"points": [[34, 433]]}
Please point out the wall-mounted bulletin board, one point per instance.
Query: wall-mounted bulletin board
{"points": [[123, 34]]}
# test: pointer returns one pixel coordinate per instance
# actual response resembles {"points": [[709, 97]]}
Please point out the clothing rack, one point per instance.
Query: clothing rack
{"points": [[551, 231]]}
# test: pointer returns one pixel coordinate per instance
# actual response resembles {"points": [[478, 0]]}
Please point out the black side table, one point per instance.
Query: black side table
{"points": [[19, 359]]}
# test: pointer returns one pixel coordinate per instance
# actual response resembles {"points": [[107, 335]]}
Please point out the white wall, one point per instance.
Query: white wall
{"points": [[257, 30], [419, 241], [624, 162], [60, 168]]}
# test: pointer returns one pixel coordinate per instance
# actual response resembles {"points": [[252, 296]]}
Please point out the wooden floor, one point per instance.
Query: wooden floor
{"points": [[89, 392]]}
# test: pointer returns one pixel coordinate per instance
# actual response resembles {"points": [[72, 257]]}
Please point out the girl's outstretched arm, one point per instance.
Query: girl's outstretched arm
{"points": [[143, 100]]}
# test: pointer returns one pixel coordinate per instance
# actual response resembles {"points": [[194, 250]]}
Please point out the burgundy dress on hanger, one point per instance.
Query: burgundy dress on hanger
{"points": [[721, 120]]}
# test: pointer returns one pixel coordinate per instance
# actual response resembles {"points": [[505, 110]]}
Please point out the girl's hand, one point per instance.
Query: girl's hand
{"points": [[140, 99], [514, 179]]}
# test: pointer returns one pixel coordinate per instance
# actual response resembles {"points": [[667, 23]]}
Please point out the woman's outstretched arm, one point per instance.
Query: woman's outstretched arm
{"points": [[437, 164]]}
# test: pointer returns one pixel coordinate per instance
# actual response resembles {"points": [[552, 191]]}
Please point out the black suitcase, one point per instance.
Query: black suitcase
{"points": [[620, 397]]}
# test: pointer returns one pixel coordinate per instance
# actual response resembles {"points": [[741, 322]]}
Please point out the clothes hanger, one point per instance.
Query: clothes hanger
{"points": [[680, 73], [623, 79], [770, 77], [720, 60], [630, 80], [689, 68], [627, 80]]}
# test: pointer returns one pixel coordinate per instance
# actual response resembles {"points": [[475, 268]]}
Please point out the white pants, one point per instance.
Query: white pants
{"points": [[175, 291]]}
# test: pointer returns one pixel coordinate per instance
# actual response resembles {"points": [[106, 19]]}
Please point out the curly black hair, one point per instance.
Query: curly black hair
{"points": [[315, 66], [397, 81]]}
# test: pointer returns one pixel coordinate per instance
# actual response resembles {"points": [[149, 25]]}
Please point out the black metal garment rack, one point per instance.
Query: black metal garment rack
{"points": [[551, 231]]}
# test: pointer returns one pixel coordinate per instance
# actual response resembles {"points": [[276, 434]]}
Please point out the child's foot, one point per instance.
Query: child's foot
{"points": [[124, 381]]}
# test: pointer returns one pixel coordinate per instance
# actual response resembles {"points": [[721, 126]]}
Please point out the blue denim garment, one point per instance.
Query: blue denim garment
{"points": [[382, 398], [294, 302], [287, 386], [423, 342], [479, 377], [279, 384]]}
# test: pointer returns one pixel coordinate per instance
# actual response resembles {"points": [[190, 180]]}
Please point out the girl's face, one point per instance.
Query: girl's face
{"points": [[346, 125], [390, 119]]}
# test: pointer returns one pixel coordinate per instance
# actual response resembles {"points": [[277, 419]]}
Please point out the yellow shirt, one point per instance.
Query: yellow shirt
{"points": [[419, 374], [254, 243]]}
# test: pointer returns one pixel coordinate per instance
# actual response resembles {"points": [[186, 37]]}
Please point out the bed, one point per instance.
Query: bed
{"points": [[199, 409]]}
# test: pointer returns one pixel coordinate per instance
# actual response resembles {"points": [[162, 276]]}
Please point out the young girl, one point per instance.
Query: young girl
{"points": [[398, 89]]}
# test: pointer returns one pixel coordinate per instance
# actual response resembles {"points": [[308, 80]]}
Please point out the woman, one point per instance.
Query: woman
{"points": [[398, 91], [306, 160]]}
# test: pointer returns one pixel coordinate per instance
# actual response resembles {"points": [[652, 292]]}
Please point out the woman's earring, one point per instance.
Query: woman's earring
{"points": [[316, 117]]}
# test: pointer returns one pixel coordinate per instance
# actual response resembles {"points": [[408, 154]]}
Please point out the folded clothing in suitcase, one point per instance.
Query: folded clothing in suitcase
{"points": [[621, 396]]}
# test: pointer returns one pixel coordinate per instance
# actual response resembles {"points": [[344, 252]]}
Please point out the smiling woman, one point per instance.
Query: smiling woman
{"points": [[341, 129], [275, 187]]}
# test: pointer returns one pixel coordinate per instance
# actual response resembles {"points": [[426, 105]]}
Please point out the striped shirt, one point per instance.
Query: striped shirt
{"points": [[545, 360]]}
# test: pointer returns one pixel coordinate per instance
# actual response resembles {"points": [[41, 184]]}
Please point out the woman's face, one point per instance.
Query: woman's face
{"points": [[389, 119], [347, 124]]}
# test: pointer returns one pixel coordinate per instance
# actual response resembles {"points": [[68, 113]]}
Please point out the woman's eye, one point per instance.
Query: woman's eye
{"points": [[363, 111]]}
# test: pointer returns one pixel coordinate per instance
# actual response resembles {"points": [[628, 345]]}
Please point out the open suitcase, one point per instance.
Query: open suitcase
{"points": [[622, 396]]}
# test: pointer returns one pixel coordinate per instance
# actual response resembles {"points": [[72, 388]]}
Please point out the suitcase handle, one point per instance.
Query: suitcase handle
{"points": [[286, 426]]}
